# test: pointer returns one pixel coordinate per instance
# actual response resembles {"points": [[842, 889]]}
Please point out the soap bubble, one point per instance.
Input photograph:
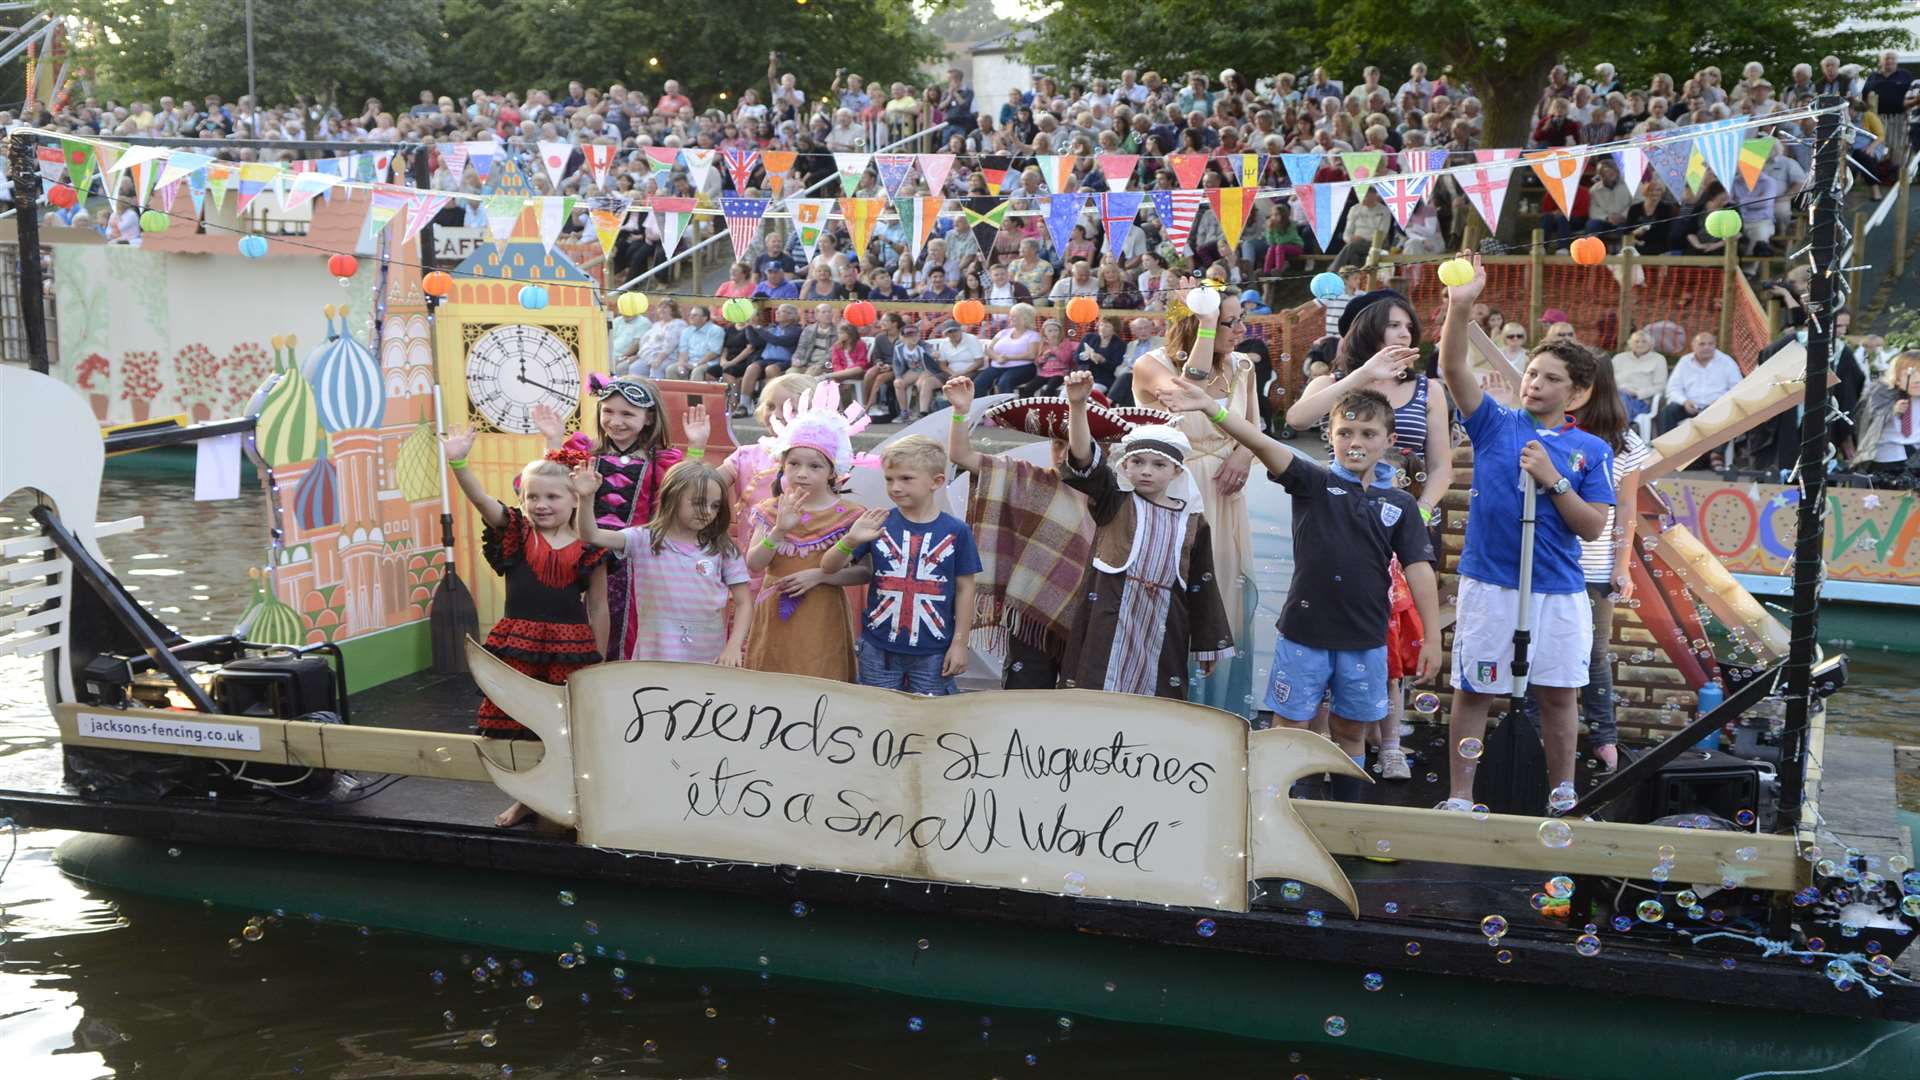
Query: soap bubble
{"points": [[566, 898], [1413, 948], [1336, 1026], [1504, 956], [1650, 911], [1666, 853], [1316, 919], [479, 974], [1562, 799], [437, 977], [1743, 817], [1660, 873], [1560, 887], [1074, 883], [252, 933], [1383, 846], [1390, 908], [800, 909], [1373, 980], [1426, 704], [1292, 890], [1587, 945], [1205, 928], [590, 927], [1064, 1023], [1111, 987], [649, 1047], [1556, 834], [914, 1023], [1540, 901], [1745, 854], [1471, 749], [534, 1001], [1493, 926], [489, 1039], [712, 1012], [1880, 964]]}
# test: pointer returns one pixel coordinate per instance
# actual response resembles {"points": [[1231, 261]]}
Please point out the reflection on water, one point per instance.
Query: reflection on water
{"points": [[96, 985]]}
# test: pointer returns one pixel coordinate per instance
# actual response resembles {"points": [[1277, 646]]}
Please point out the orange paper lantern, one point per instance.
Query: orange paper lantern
{"points": [[969, 312], [1083, 309], [62, 196], [437, 283], [1589, 251], [343, 266], [861, 313]]}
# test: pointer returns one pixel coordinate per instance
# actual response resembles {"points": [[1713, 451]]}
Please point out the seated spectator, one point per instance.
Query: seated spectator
{"points": [[1012, 356], [701, 344], [813, 353], [777, 286], [1103, 351], [1115, 291], [958, 353], [658, 345], [1698, 380], [1640, 373], [937, 290]]}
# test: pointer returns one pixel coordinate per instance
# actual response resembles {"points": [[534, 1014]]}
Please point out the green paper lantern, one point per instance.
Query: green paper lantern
{"points": [[737, 310], [154, 221], [1723, 224]]}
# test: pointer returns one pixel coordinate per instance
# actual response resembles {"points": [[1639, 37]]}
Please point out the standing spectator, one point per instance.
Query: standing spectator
{"points": [[1888, 91], [957, 105]]}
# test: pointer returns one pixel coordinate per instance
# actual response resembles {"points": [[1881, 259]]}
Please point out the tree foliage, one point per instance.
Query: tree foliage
{"points": [[1172, 37]]}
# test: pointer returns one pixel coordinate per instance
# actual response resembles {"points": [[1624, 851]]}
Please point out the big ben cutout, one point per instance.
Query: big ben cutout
{"points": [[498, 360]]}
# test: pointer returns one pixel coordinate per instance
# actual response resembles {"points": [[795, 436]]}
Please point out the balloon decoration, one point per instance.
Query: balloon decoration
{"points": [[437, 284], [343, 266], [1723, 224], [1084, 309], [1326, 285], [969, 312], [1203, 301], [253, 247], [1588, 251], [633, 304], [737, 310], [154, 221], [861, 313], [533, 297], [1455, 272], [61, 196]]}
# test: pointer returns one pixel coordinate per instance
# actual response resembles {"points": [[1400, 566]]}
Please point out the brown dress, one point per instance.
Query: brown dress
{"points": [[814, 634]]}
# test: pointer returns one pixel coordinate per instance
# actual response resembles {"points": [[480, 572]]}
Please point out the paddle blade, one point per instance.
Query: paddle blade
{"points": [[452, 621]]}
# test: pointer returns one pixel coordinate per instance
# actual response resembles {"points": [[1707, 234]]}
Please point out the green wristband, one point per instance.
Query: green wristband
{"points": [[461, 464], [959, 418], [1221, 416], [1426, 514], [767, 542], [695, 453], [841, 544], [1205, 333]]}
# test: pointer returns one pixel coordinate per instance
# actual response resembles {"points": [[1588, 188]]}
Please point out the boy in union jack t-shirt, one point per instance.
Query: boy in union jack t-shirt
{"points": [[924, 562]]}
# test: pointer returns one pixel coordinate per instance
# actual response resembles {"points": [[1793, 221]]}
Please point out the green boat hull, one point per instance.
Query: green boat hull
{"points": [[1478, 1024]]}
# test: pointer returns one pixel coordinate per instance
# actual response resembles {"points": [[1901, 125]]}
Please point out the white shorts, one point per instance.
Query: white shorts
{"points": [[1560, 649]]}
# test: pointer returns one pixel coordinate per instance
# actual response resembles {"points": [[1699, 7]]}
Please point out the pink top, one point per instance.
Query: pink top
{"points": [[842, 359], [1057, 361], [680, 598]]}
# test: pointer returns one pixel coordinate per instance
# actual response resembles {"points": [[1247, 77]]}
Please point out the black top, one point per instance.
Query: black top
{"points": [[528, 597], [1343, 538], [1660, 237], [1890, 91], [1107, 367]]}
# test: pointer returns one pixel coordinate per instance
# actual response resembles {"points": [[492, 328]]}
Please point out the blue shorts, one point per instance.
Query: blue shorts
{"points": [[1303, 676], [916, 673]]}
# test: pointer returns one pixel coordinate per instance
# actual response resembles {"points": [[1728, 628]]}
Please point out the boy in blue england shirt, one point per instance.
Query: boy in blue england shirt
{"points": [[1533, 444], [924, 562]]}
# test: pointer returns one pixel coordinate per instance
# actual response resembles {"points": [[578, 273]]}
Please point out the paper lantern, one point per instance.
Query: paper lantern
{"points": [[1327, 285], [343, 266], [1083, 309], [533, 297], [437, 283], [861, 313], [633, 304], [154, 221], [737, 310], [61, 196], [1456, 272], [253, 247], [1723, 224], [1588, 251], [969, 312]]}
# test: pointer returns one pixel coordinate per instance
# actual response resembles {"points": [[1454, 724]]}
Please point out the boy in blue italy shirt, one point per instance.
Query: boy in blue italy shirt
{"points": [[1533, 444]]}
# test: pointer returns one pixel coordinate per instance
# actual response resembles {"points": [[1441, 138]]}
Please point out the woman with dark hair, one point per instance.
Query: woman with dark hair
{"points": [[971, 287], [1697, 240]]}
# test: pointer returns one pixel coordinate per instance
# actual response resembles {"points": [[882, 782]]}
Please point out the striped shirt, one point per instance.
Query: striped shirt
{"points": [[1597, 556], [1410, 420]]}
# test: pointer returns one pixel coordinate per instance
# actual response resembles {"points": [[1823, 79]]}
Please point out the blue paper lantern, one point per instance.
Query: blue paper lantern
{"points": [[253, 247], [1327, 285], [533, 297]]}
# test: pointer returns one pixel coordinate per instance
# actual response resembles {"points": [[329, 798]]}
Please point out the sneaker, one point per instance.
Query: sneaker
{"points": [[1393, 764], [1456, 806]]}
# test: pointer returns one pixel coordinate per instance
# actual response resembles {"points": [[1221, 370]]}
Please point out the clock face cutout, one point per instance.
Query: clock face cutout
{"points": [[513, 367]]}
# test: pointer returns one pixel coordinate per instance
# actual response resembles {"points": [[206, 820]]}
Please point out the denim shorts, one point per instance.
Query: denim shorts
{"points": [[915, 673], [1303, 676]]}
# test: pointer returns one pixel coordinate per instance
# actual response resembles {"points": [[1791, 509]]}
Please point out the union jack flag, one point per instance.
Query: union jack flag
{"points": [[908, 587]]}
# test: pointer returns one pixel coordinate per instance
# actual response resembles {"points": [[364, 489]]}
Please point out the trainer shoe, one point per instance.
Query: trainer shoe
{"points": [[1393, 764], [1458, 806]]}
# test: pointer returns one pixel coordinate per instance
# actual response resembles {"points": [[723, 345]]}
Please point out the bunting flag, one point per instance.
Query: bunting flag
{"points": [[599, 161], [1719, 145], [219, 176], [1117, 211], [1668, 159], [53, 163], [80, 165], [1321, 205], [1697, 170], [852, 168], [740, 165], [1753, 158], [1246, 167], [305, 187], [503, 212], [1056, 170], [197, 190], [671, 214], [809, 221], [1187, 169], [699, 165], [1063, 213], [860, 215], [920, 215], [375, 167], [743, 222], [984, 215], [1486, 182], [134, 156], [1232, 206], [454, 157], [778, 163], [166, 197], [480, 154], [553, 158], [1402, 196], [421, 208], [339, 169], [143, 177], [663, 158], [182, 164], [1301, 168], [993, 167], [1560, 172], [1177, 209], [386, 204], [934, 169], [1118, 169], [893, 170], [1361, 164], [606, 223], [1632, 163], [254, 178], [554, 212]]}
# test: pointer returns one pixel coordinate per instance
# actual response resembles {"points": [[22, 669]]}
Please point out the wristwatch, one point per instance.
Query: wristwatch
{"points": [[1561, 487]]}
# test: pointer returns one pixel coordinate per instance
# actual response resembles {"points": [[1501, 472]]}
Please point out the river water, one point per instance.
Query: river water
{"points": [[101, 984]]}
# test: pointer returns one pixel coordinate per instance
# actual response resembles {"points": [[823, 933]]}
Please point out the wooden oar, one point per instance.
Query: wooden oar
{"points": [[452, 617]]}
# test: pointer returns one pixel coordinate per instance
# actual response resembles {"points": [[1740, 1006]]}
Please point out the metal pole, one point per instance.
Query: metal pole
{"points": [[25, 172], [1809, 544], [252, 98]]}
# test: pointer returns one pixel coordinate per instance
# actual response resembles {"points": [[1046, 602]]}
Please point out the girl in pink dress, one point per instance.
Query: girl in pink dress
{"points": [[748, 472]]}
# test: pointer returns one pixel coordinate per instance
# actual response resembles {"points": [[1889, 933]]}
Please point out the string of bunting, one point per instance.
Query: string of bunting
{"points": [[1682, 158]]}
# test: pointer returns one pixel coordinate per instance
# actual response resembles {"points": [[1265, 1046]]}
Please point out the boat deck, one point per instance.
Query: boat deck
{"points": [[1414, 916]]}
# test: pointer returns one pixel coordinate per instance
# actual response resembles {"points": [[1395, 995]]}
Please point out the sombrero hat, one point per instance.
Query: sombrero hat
{"points": [[1047, 418]]}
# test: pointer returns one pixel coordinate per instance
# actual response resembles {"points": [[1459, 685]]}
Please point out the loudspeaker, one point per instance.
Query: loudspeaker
{"points": [[1696, 782]]}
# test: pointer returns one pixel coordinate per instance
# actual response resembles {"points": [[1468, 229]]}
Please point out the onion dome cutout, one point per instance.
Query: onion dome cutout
{"points": [[316, 500], [346, 379], [268, 619], [289, 428], [417, 473]]}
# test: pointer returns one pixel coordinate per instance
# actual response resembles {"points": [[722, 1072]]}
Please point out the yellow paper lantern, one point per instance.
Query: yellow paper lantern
{"points": [[633, 304], [1455, 272]]}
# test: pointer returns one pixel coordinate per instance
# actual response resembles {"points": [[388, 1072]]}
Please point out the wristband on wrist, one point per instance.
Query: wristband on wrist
{"points": [[695, 453], [959, 418], [1220, 417], [767, 542], [841, 544], [1426, 514], [460, 464], [1205, 333]]}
